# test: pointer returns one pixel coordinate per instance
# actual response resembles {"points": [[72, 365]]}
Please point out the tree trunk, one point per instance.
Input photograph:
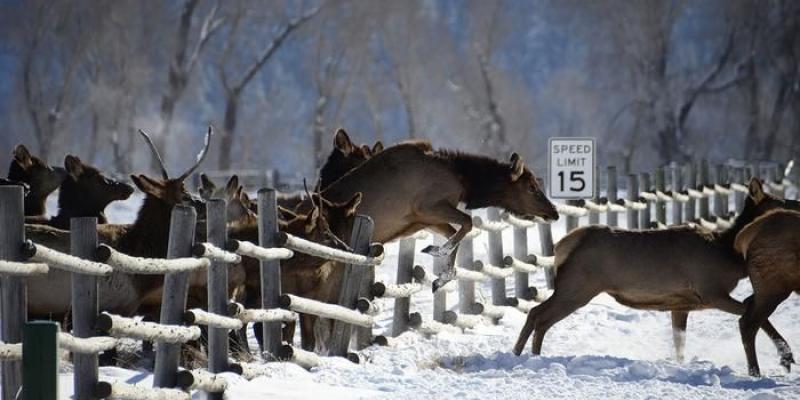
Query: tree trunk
{"points": [[774, 124], [752, 145], [228, 130], [318, 130]]}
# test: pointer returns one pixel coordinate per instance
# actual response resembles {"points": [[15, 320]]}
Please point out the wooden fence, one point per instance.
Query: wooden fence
{"points": [[645, 205]]}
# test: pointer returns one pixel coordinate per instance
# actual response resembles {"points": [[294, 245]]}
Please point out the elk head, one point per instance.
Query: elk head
{"points": [[41, 178], [523, 193], [345, 156], [86, 189], [757, 203], [171, 191], [237, 203]]}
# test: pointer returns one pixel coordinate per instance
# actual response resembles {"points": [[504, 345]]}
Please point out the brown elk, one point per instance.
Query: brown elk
{"points": [[409, 187], [344, 156], [41, 178], [771, 247], [680, 269], [86, 192], [146, 237]]}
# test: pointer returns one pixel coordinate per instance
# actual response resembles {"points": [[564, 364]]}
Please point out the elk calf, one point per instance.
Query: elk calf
{"points": [[680, 269], [771, 247]]}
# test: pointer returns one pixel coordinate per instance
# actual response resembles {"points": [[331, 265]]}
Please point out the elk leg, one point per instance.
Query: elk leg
{"points": [[679, 319], [728, 304], [307, 323], [527, 329], [759, 308], [445, 213], [447, 231]]}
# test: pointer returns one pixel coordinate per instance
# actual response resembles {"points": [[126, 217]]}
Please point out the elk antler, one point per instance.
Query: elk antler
{"points": [[154, 150], [200, 156]]}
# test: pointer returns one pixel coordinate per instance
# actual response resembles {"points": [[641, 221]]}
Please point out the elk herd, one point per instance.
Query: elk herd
{"points": [[405, 188]]}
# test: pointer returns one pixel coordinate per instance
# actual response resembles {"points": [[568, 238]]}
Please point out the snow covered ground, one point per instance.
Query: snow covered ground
{"points": [[603, 350]]}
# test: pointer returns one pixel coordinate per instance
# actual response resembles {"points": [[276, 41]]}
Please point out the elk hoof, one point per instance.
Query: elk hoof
{"points": [[437, 251], [786, 362], [754, 372]]}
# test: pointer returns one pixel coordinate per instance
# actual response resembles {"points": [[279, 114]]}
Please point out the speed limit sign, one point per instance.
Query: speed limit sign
{"points": [[572, 166]]}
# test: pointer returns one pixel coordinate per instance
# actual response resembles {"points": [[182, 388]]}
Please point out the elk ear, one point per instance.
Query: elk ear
{"points": [[517, 167], [74, 166], [311, 220], [756, 190], [342, 142], [22, 156], [377, 148], [148, 186], [232, 186], [206, 182], [244, 198], [351, 206]]}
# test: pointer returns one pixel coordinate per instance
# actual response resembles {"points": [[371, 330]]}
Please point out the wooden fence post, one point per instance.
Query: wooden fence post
{"points": [[611, 193], [83, 244], [173, 298], [661, 205], [13, 305], [495, 240], [572, 221], [405, 268], [644, 215], [351, 284], [440, 297], [719, 198], [270, 270], [691, 182], [738, 197], [363, 333], [633, 195], [40, 361], [705, 181], [466, 289], [217, 234], [594, 216], [521, 281], [677, 187], [547, 249]]}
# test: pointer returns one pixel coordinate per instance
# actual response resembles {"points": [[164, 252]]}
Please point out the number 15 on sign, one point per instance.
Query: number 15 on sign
{"points": [[571, 168]]}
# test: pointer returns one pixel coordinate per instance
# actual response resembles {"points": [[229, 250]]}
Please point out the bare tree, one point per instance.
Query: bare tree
{"points": [[189, 44], [234, 85]]}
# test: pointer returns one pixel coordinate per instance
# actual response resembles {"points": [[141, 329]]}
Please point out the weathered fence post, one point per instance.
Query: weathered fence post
{"points": [[440, 297], [40, 361], [546, 246], [661, 205], [83, 244], [633, 196], [677, 187], [611, 193], [466, 289], [217, 234], [691, 183], [719, 198], [405, 268], [363, 333], [572, 221], [594, 216], [495, 240], [644, 215], [738, 197], [351, 284], [705, 181], [270, 270], [521, 281], [13, 305], [173, 298]]}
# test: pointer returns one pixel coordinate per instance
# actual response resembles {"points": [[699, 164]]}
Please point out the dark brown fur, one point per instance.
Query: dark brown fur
{"points": [[771, 246], [679, 270], [41, 178]]}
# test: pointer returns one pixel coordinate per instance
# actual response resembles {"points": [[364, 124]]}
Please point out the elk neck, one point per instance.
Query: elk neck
{"points": [[149, 234], [481, 177]]}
